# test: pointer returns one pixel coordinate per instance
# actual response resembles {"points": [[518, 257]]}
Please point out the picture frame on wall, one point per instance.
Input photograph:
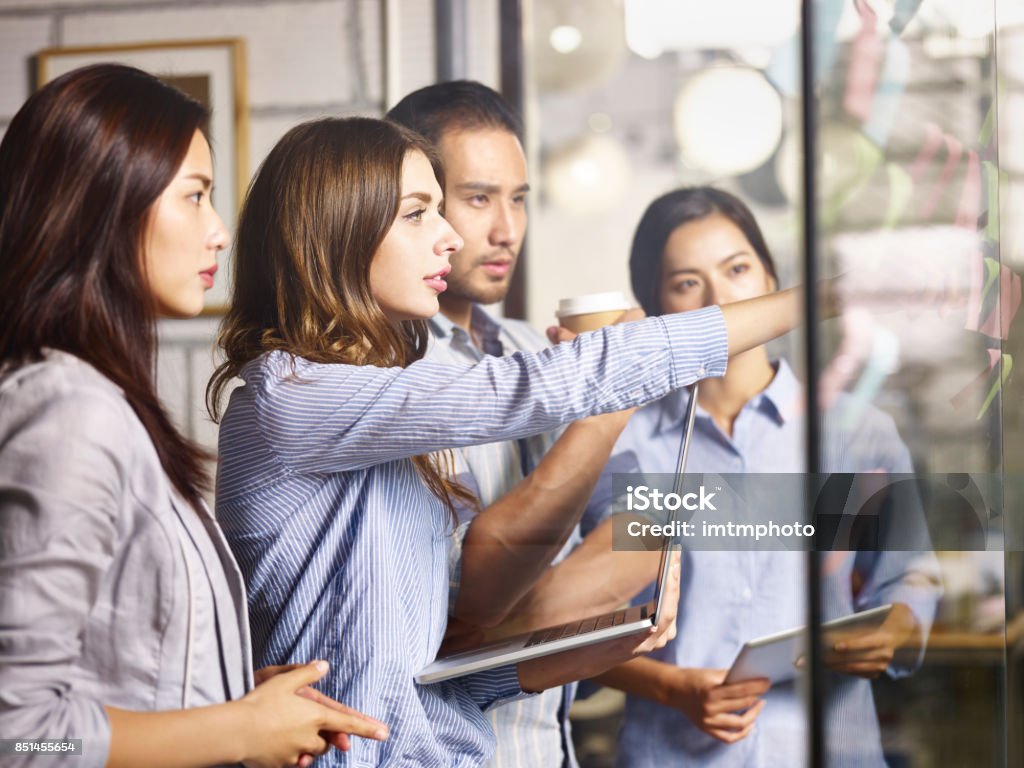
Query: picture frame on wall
{"points": [[213, 73]]}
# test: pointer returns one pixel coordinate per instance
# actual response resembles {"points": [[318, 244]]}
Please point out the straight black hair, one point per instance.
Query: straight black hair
{"points": [[81, 165], [456, 105], [671, 211]]}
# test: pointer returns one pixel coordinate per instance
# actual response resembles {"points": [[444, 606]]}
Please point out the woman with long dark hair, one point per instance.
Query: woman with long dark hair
{"points": [[122, 613], [325, 490]]}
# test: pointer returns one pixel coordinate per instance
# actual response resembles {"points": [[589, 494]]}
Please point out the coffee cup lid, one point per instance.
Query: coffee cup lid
{"points": [[610, 301]]}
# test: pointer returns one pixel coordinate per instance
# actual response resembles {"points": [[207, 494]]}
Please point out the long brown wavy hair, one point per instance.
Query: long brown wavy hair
{"points": [[315, 215], [81, 165]]}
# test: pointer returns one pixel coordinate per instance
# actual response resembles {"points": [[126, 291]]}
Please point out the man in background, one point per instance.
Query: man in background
{"points": [[532, 491]]}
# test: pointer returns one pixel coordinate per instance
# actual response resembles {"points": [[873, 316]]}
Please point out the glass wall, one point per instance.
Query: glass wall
{"points": [[913, 148], [920, 454]]}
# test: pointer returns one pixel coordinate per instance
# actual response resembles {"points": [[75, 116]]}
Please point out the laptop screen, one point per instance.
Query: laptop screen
{"points": [[666, 546]]}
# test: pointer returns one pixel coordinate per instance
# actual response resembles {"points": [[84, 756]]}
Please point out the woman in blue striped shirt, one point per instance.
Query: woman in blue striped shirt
{"points": [[339, 519]]}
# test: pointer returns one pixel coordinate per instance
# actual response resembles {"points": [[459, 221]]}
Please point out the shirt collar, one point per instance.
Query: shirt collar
{"points": [[782, 400], [785, 394], [441, 326], [487, 329]]}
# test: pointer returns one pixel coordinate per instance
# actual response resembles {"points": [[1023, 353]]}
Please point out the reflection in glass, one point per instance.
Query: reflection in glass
{"points": [[920, 164]]}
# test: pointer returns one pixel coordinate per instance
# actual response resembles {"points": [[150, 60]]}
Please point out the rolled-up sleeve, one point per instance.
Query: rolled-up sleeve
{"points": [[494, 687], [61, 484]]}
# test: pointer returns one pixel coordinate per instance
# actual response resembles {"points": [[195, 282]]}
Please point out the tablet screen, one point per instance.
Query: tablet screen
{"points": [[776, 656]]}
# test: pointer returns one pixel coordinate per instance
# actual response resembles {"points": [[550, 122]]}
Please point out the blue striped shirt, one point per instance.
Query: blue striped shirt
{"points": [[532, 731], [344, 548], [727, 598]]}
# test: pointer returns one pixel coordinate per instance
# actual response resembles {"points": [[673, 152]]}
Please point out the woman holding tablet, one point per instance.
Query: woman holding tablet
{"points": [[701, 247], [340, 521]]}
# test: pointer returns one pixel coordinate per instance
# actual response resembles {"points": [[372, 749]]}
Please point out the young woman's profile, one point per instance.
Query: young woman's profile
{"points": [[333, 486]]}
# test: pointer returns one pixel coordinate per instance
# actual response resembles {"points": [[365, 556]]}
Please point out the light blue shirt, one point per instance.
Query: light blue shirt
{"points": [[531, 731], [727, 598], [343, 547]]}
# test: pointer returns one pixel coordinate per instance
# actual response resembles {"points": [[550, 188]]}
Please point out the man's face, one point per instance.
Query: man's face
{"points": [[485, 201]]}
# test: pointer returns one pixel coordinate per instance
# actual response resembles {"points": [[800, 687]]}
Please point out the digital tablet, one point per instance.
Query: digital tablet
{"points": [[775, 656]]}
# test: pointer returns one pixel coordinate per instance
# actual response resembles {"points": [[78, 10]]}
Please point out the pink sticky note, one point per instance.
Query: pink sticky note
{"points": [[997, 324], [865, 64]]}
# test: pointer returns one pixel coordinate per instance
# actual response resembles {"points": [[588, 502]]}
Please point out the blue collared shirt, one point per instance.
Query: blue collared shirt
{"points": [[531, 731], [727, 598], [343, 547]]}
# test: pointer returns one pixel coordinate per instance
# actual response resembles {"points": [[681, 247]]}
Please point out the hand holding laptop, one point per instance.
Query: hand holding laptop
{"points": [[581, 663], [615, 637]]}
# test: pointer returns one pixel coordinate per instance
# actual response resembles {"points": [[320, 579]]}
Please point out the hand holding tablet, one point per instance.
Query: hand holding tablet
{"points": [[724, 711], [778, 657], [869, 653]]}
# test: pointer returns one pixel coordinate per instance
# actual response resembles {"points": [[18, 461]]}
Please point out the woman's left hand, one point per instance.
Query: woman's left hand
{"points": [[335, 739], [870, 654]]}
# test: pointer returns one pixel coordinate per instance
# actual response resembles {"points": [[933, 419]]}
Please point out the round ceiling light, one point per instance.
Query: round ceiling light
{"points": [[728, 120]]}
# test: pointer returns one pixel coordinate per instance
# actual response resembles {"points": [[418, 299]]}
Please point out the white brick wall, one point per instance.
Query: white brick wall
{"points": [[46, 6], [369, 32], [483, 55], [20, 39], [415, 45], [185, 365], [296, 52], [266, 129], [310, 56]]}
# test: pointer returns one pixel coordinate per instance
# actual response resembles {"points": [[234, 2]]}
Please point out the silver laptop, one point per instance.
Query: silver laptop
{"points": [[575, 634]]}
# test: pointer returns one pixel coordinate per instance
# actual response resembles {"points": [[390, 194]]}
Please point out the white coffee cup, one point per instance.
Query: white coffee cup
{"points": [[593, 311]]}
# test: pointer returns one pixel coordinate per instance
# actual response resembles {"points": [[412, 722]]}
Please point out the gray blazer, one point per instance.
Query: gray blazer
{"points": [[97, 595]]}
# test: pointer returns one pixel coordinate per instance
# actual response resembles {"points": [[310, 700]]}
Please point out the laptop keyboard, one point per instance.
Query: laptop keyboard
{"points": [[574, 628]]}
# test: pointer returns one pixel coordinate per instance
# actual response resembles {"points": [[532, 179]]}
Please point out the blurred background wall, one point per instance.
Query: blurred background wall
{"points": [[921, 135]]}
